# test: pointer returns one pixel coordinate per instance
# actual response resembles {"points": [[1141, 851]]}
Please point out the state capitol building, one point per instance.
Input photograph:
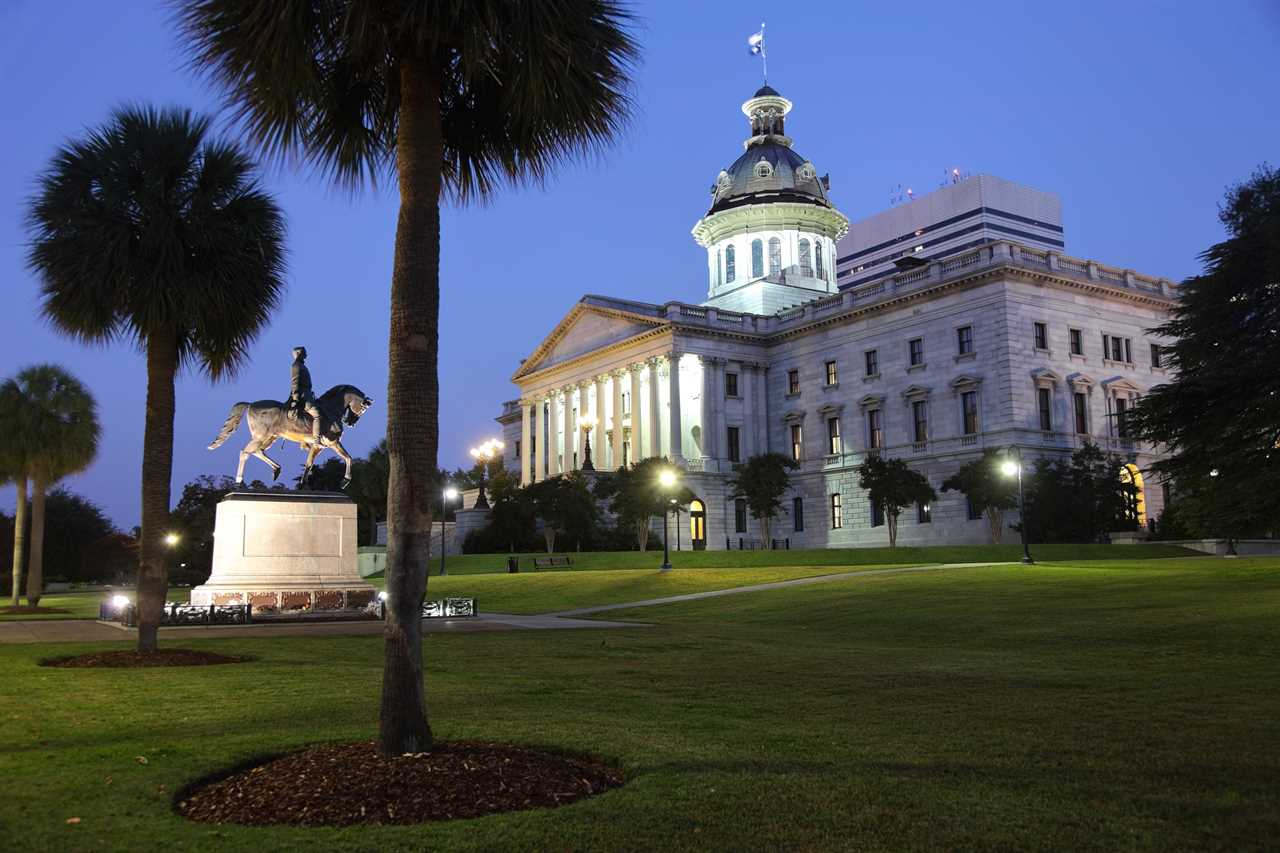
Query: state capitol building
{"points": [[943, 326]]}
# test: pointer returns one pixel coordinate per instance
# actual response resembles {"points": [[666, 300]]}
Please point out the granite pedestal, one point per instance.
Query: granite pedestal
{"points": [[286, 552]]}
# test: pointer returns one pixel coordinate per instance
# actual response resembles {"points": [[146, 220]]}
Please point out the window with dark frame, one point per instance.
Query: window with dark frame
{"points": [[1044, 404], [740, 516], [1082, 412], [969, 411], [875, 432], [964, 340], [833, 436], [1041, 332], [797, 515], [1157, 356], [757, 258], [1115, 348], [924, 514], [915, 351], [877, 514], [731, 384], [797, 443], [1077, 341], [837, 517], [1122, 417], [873, 362], [729, 265], [920, 420], [733, 447], [793, 381], [971, 510], [833, 374]]}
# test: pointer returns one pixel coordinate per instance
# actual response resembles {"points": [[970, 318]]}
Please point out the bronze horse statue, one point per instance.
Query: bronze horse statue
{"points": [[341, 405]]}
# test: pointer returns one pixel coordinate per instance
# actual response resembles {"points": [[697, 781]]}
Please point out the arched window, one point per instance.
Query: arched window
{"points": [[818, 252], [806, 262], [1135, 491], [757, 258], [763, 168], [775, 256], [729, 273], [719, 274]]}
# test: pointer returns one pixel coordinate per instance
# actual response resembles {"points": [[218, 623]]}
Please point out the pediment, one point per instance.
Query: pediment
{"points": [[871, 400], [587, 329], [915, 391], [1044, 375], [1119, 383], [965, 381], [1081, 380]]}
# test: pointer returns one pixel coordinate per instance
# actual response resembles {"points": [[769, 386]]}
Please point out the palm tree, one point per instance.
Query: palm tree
{"points": [[451, 98], [51, 431], [151, 229]]}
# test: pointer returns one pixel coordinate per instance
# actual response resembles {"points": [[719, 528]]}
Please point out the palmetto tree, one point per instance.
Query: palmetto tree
{"points": [[452, 98], [150, 228], [50, 431]]}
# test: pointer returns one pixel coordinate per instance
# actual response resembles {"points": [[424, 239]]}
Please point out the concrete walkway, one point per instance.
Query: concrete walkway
{"points": [[88, 631]]}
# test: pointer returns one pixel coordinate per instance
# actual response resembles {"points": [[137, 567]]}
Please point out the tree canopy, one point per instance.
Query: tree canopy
{"points": [[565, 506], [636, 497], [988, 490], [891, 484], [1078, 500], [762, 481]]}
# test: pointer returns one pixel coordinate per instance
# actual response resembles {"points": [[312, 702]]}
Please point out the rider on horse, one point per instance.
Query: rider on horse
{"points": [[301, 397]]}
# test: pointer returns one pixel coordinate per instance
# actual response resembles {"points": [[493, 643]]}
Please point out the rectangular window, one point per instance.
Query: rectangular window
{"points": [[1044, 403], [924, 514], [1128, 351], [740, 516], [915, 351], [518, 462], [920, 419], [964, 340], [1122, 417], [969, 411], [877, 514], [1157, 357], [875, 433], [971, 511], [731, 384], [833, 376], [797, 443], [1077, 341], [797, 514], [1082, 413], [793, 381], [833, 436], [1041, 335], [733, 446], [837, 519], [873, 362], [1117, 348]]}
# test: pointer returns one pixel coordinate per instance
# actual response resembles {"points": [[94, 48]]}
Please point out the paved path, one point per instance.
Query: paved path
{"points": [[87, 630], [759, 587]]}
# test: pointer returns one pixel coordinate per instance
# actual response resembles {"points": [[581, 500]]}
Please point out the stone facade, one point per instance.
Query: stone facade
{"points": [[998, 346]]}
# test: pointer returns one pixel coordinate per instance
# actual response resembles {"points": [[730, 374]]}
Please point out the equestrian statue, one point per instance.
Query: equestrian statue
{"points": [[313, 422]]}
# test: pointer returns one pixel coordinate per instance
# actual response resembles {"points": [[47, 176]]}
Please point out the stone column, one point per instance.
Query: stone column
{"points": [[638, 451], [673, 387], [525, 455], [553, 434], [572, 433], [707, 417], [761, 405], [540, 439], [747, 432], [600, 447], [615, 379], [655, 411]]}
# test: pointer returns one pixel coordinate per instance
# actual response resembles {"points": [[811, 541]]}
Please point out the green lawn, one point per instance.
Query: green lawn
{"points": [[81, 605], [1106, 705], [466, 564]]}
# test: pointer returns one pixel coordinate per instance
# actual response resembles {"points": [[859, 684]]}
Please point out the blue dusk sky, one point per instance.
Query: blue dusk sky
{"points": [[1137, 114]]}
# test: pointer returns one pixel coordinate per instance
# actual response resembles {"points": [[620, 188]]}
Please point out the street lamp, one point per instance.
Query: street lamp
{"points": [[1009, 468], [172, 539], [484, 454], [667, 479], [587, 422], [450, 493]]}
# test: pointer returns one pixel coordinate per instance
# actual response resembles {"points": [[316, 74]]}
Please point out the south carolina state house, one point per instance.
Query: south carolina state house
{"points": [[947, 324]]}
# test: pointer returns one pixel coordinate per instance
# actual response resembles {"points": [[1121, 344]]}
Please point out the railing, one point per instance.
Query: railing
{"points": [[690, 311], [1073, 266], [913, 276], [919, 447], [1034, 257], [965, 260], [968, 440], [1111, 275]]}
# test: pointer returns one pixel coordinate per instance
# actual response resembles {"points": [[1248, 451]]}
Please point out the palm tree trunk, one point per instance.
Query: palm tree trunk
{"points": [[157, 471], [35, 563], [412, 407], [19, 537]]}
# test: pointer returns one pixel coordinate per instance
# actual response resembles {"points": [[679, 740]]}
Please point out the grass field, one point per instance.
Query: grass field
{"points": [[1100, 705]]}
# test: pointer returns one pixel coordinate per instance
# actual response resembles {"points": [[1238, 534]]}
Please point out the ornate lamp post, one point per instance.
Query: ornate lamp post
{"points": [[1009, 468], [587, 422], [449, 494], [484, 454], [667, 479]]}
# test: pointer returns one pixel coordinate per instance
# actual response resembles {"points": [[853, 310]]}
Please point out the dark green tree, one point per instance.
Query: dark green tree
{"points": [[892, 484], [193, 519], [148, 228], [512, 518], [50, 431], [762, 481], [77, 523], [1221, 410], [565, 506], [990, 491], [1079, 500], [451, 99], [635, 496]]}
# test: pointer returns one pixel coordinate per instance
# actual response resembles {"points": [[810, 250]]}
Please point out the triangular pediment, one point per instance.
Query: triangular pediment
{"points": [[586, 329]]}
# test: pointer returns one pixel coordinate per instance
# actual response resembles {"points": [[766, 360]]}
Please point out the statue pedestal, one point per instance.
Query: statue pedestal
{"points": [[285, 552]]}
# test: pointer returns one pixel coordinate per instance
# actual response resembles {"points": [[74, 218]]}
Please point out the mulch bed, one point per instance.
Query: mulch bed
{"points": [[132, 658], [350, 783], [27, 610]]}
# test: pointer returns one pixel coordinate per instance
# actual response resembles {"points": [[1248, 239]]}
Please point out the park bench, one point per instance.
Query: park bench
{"points": [[551, 562]]}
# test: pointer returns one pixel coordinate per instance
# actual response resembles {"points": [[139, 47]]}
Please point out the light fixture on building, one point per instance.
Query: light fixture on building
{"points": [[587, 422]]}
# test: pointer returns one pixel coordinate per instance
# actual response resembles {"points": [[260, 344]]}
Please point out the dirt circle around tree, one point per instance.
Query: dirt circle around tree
{"points": [[131, 658], [349, 784]]}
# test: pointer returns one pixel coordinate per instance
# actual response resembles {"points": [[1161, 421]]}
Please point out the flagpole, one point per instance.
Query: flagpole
{"points": [[764, 54]]}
